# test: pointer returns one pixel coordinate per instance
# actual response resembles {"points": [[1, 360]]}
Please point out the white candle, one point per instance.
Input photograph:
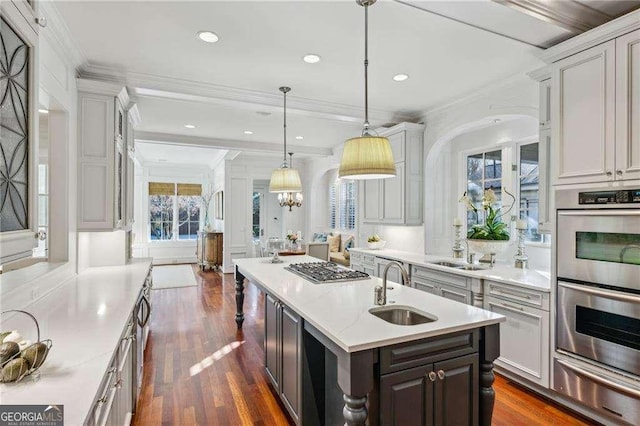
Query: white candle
{"points": [[521, 224], [457, 221]]}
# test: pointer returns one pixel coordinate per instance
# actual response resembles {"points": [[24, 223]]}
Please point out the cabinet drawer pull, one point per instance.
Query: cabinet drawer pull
{"points": [[619, 172], [432, 376], [499, 290], [506, 305], [441, 374]]}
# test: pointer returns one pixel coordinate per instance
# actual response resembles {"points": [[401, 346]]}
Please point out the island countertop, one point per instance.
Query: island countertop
{"points": [[341, 310]]}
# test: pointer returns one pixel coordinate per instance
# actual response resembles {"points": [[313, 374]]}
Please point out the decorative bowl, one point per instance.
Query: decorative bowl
{"points": [[377, 245], [488, 246]]}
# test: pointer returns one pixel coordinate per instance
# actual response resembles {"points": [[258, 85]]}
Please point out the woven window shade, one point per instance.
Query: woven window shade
{"points": [[160, 188], [189, 189]]}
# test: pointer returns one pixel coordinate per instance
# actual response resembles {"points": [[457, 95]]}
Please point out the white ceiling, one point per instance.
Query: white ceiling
{"points": [[261, 48], [150, 153]]}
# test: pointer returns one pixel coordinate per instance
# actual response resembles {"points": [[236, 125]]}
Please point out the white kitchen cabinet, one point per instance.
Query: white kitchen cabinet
{"points": [[583, 110], [545, 104], [524, 336], [448, 285], [103, 157], [628, 106], [19, 134], [133, 119], [596, 113], [397, 200], [546, 216]]}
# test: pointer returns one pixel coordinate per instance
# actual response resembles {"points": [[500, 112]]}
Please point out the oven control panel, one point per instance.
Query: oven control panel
{"points": [[623, 196]]}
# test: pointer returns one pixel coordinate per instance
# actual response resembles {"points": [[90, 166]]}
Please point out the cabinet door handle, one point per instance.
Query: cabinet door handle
{"points": [[441, 375], [619, 172], [432, 376], [609, 174]]}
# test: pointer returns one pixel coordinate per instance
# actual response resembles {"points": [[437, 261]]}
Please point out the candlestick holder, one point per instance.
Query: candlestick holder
{"points": [[458, 250], [521, 258]]}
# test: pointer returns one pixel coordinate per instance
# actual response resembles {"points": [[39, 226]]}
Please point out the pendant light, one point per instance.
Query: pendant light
{"points": [[288, 199], [367, 156], [285, 179]]}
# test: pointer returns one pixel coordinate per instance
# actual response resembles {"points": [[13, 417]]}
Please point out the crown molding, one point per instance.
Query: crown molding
{"points": [[227, 144], [475, 95], [610, 30], [134, 114], [540, 74], [150, 85], [58, 32]]}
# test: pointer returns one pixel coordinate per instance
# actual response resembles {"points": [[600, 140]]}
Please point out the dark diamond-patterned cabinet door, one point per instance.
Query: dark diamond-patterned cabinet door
{"points": [[14, 130]]}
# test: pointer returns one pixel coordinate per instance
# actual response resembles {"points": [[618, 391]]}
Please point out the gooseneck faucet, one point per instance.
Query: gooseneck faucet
{"points": [[381, 292], [625, 248], [470, 255]]}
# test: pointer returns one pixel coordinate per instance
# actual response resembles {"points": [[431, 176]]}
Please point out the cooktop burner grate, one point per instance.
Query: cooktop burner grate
{"points": [[325, 272]]}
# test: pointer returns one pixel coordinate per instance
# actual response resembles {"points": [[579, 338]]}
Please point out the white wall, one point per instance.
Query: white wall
{"points": [[183, 251]]}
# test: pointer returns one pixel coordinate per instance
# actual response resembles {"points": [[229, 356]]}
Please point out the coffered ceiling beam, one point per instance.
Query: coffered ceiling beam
{"points": [[186, 90], [568, 14], [228, 144]]}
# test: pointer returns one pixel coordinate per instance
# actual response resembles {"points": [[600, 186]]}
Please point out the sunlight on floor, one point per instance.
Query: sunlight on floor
{"points": [[217, 355]]}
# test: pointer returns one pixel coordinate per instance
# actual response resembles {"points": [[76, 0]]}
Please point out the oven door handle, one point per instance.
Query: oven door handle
{"points": [[622, 297], [620, 212], [598, 379]]}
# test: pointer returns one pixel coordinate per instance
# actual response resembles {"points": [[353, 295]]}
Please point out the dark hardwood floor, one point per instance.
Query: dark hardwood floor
{"points": [[199, 370]]}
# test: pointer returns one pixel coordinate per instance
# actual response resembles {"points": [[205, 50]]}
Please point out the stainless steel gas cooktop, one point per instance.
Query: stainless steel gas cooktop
{"points": [[325, 272]]}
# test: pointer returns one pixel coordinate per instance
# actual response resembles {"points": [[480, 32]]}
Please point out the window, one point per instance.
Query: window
{"points": [[342, 204], [174, 206], [529, 188], [484, 171]]}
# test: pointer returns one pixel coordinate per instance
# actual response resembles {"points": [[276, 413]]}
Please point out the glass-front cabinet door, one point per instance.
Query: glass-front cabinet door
{"points": [[18, 135]]}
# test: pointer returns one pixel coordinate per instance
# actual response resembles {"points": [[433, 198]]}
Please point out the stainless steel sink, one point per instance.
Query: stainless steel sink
{"points": [[447, 263], [471, 267], [400, 315]]}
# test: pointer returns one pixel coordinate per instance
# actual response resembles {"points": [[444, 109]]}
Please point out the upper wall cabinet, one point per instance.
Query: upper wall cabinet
{"points": [[398, 200], [102, 156], [595, 107], [18, 133]]}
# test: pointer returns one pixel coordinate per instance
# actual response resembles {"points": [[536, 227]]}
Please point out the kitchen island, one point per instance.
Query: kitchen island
{"points": [[331, 361]]}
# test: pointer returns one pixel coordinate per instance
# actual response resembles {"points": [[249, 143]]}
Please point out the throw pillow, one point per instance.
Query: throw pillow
{"points": [[334, 243], [348, 244], [319, 237]]}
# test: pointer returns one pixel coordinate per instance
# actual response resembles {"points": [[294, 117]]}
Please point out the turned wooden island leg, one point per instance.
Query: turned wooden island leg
{"points": [[355, 410], [239, 298], [489, 351]]}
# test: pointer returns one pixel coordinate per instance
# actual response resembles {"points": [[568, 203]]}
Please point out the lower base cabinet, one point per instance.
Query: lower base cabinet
{"points": [[283, 353], [441, 393]]}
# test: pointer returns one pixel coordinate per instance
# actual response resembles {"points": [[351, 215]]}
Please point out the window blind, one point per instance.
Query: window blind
{"points": [[189, 189], [161, 188]]}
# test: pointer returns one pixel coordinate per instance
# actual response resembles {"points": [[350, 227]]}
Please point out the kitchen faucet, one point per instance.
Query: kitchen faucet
{"points": [[470, 255], [381, 292], [625, 248]]}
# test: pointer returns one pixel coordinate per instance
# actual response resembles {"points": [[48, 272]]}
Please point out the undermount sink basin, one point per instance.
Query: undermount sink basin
{"points": [[447, 263], [401, 315], [471, 267]]}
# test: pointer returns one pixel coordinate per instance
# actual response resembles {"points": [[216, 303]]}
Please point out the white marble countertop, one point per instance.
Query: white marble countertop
{"points": [[527, 278], [84, 317], [340, 310]]}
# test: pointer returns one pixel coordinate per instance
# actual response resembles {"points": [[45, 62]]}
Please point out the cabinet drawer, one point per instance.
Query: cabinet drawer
{"points": [[368, 260], [356, 257], [518, 295], [421, 352], [443, 277]]}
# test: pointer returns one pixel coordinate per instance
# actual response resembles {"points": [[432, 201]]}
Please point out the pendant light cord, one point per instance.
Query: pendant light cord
{"points": [[366, 66], [284, 90]]}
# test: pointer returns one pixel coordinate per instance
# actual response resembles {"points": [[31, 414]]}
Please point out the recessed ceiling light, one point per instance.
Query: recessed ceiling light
{"points": [[208, 36], [311, 58], [497, 120], [299, 137], [189, 126], [248, 132], [43, 111], [400, 77]]}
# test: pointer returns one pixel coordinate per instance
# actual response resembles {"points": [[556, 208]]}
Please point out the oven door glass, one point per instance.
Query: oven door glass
{"points": [[601, 325], [601, 247]]}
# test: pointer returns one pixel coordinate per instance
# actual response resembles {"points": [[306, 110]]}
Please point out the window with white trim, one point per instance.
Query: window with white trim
{"points": [[342, 204], [484, 171], [528, 175], [174, 206]]}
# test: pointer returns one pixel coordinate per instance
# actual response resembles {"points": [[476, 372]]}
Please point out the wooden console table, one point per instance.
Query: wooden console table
{"points": [[209, 249]]}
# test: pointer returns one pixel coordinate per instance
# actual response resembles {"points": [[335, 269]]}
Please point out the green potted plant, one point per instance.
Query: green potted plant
{"points": [[492, 236]]}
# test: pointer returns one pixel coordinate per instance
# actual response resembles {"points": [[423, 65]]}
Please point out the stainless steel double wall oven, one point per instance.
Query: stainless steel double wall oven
{"points": [[598, 300]]}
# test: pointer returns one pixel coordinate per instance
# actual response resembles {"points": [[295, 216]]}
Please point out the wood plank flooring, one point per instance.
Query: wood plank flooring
{"points": [[199, 370]]}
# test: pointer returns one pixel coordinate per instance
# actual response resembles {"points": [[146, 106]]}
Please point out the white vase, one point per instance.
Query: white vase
{"points": [[488, 246]]}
